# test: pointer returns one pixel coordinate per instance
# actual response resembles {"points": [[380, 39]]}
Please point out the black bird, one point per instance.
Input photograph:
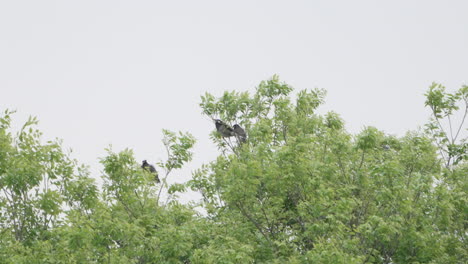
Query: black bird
{"points": [[240, 133], [148, 167], [224, 129]]}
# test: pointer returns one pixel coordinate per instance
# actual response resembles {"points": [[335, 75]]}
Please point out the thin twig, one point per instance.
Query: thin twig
{"points": [[450, 126], [463, 121], [168, 170], [266, 218], [257, 225], [362, 159], [163, 184]]}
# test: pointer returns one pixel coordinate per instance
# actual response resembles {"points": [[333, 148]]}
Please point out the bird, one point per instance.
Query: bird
{"points": [[240, 133], [148, 167], [224, 129]]}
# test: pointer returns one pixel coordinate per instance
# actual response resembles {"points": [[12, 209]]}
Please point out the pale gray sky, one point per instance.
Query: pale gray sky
{"points": [[117, 72]]}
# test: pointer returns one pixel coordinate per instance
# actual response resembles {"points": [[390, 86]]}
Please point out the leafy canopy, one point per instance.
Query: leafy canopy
{"points": [[301, 189]]}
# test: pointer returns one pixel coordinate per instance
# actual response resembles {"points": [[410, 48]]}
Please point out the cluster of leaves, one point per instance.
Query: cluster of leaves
{"points": [[300, 190], [444, 106]]}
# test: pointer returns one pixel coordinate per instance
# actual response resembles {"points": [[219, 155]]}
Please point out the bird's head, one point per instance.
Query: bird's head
{"points": [[145, 162], [236, 126], [218, 122]]}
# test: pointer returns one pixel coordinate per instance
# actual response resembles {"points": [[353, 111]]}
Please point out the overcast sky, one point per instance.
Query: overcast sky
{"points": [[117, 72]]}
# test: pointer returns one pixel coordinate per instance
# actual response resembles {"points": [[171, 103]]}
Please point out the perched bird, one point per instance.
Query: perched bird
{"points": [[240, 133], [224, 129], [148, 167]]}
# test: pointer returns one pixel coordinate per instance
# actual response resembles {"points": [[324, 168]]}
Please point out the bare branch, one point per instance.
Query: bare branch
{"points": [[450, 126], [463, 121]]}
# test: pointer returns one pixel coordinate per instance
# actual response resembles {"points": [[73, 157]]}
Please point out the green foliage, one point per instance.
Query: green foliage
{"points": [[300, 190], [443, 106], [311, 192], [32, 180], [178, 149]]}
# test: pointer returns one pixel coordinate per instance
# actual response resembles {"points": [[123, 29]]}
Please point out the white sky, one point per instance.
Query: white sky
{"points": [[117, 72]]}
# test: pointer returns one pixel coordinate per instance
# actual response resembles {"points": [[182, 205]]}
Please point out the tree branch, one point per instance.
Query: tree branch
{"points": [[251, 219], [463, 121], [450, 126]]}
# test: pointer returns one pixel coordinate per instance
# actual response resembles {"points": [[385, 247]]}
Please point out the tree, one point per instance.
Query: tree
{"points": [[304, 190], [38, 181], [52, 212]]}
